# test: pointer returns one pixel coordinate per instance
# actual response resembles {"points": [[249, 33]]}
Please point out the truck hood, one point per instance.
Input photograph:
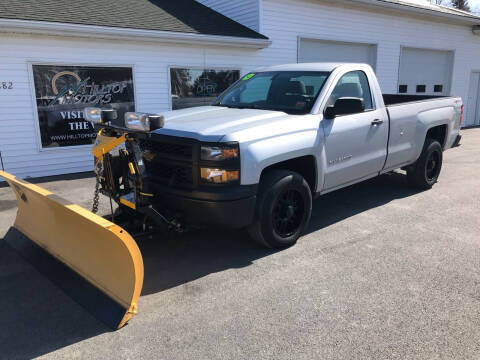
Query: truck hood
{"points": [[212, 123]]}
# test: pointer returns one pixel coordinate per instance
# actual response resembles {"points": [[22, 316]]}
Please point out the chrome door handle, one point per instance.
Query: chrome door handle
{"points": [[377, 122]]}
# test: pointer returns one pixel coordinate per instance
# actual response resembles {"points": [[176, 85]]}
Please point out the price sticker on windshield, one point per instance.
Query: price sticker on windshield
{"points": [[248, 76]]}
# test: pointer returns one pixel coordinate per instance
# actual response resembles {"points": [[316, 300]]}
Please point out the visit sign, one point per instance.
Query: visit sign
{"points": [[62, 92]]}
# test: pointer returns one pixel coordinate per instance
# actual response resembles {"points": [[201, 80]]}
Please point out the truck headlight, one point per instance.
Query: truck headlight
{"points": [[93, 115], [99, 116], [143, 121], [137, 121], [219, 176], [219, 152]]}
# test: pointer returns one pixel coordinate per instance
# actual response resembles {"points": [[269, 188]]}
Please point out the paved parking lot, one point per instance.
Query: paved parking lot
{"points": [[384, 272]]}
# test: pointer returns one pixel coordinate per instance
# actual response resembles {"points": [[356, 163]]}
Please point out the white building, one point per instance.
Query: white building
{"points": [[56, 56]]}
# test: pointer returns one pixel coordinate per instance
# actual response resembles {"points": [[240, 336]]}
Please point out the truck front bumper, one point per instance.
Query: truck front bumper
{"points": [[227, 207]]}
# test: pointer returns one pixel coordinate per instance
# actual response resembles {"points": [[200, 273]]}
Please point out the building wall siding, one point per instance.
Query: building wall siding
{"points": [[390, 31], [283, 21], [246, 12]]}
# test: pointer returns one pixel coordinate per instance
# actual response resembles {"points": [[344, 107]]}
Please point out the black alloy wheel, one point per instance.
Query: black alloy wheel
{"points": [[432, 169], [424, 173], [288, 213], [284, 207]]}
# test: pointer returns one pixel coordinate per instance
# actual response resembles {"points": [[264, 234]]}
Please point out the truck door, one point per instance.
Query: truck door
{"points": [[355, 144]]}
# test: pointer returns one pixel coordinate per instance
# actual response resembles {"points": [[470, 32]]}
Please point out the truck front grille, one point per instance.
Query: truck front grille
{"points": [[169, 149], [170, 161], [171, 175]]}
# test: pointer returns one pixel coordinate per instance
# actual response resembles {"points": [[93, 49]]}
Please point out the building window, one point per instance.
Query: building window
{"points": [[402, 89], [421, 88], [198, 87], [438, 88], [63, 92]]}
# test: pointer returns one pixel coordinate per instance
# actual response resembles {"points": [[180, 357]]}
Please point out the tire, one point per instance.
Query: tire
{"points": [[426, 170], [284, 207]]}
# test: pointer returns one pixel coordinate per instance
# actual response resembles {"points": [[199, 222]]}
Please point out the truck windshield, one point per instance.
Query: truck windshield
{"points": [[289, 91]]}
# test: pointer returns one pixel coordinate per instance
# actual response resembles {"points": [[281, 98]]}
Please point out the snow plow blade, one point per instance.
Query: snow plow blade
{"points": [[94, 261]]}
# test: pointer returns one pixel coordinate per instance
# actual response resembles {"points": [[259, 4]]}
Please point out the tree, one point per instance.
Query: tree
{"points": [[180, 79], [461, 5]]}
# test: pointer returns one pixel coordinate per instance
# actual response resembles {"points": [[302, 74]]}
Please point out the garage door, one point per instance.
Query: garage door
{"points": [[425, 71], [312, 50]]}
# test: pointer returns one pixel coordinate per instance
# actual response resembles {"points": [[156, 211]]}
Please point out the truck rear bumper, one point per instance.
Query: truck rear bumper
{"points": [[215, 209]]}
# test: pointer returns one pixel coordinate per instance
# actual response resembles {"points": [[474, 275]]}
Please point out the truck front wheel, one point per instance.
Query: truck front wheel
{"points": [[426, 170], [284, 207]]}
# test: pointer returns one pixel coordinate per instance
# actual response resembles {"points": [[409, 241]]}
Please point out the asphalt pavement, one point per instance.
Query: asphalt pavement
{"points": [[384, 272]]}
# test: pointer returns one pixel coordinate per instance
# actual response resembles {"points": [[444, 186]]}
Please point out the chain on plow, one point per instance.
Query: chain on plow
{"points": [[96, 195]]}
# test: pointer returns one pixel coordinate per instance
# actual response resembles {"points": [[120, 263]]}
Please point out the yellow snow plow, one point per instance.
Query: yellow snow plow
{"points": [[94, 260], [97, 263]]}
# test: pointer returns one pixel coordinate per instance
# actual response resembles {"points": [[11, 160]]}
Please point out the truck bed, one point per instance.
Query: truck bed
{"points": [[410, 116], [397, 99]]}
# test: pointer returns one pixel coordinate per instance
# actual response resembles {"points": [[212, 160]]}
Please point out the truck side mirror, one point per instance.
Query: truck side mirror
{"points": [[349, 105], [329, 112]]}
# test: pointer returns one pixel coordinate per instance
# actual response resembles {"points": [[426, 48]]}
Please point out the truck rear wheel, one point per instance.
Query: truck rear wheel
{"points": [[426, 170], [284, 207]]}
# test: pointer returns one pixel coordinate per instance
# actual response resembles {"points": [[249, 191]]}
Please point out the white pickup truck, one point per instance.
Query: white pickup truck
{"points": [[283, 135]]}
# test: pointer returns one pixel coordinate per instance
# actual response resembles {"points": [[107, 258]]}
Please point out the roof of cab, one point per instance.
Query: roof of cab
{"points": [[320, 66]]}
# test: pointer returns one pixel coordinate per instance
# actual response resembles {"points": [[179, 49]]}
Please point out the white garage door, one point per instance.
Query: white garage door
{"points": [[312, 50], [423, 71]]}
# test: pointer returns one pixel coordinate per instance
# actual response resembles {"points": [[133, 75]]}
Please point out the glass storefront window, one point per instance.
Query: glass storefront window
{"points": [[198, 87], [62, 92]]}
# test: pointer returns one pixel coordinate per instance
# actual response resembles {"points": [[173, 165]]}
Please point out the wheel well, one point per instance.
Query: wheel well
{"points": [[304, 165], [438, 133]]}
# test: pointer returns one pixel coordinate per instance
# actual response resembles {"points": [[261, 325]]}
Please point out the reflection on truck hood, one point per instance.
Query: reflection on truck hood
{"points": [[211, 123]]}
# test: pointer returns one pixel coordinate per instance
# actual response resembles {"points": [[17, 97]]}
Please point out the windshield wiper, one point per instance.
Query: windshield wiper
{"points": [[241, 106], [258, 107], [224, 105]]}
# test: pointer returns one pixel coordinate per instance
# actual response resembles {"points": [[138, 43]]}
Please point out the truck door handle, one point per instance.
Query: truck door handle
{"points": [[377, 122]]}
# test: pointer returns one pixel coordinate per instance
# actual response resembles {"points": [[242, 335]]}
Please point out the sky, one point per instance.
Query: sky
{"points": [[474, 4]]}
